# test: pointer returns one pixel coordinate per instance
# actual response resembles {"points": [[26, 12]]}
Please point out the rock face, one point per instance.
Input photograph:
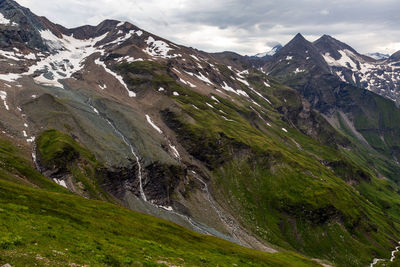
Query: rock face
{"points": [[342, 61], [23, 29], [329, 74]]}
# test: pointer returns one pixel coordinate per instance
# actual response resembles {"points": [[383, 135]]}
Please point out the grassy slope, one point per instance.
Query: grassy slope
{"points": [[51, 226], [61, 153], [282, 193]]}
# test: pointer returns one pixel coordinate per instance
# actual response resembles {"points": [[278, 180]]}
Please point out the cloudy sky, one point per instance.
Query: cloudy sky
{"points": [[243, 26]]}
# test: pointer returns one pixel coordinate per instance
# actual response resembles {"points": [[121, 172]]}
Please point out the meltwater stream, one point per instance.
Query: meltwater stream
{"points": [[152, 209], [393, 256]]}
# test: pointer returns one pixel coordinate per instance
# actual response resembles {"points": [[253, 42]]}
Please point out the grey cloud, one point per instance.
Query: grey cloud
{"points": [[246, 27]]}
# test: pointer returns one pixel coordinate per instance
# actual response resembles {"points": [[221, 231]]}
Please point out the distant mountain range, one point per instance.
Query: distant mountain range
{"points": [[270, 53]]}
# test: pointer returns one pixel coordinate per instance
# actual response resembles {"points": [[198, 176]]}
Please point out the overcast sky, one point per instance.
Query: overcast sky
{"points": [[246, 27]]}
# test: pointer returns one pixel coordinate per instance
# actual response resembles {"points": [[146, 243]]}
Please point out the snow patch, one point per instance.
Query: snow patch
{"points": [[175, 151], [283, 129], [158, 48], [153, 124], [116, 76], [208, 104], [175, 93], [215, 99], [5, 21], [243, 81], [196, 58], [297, 70], [3, 96], [203, 78], [67, 57], [60, 182]]}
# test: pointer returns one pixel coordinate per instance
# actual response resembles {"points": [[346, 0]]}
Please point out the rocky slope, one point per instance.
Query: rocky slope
{"points": [[115, 113], [380, 75]]}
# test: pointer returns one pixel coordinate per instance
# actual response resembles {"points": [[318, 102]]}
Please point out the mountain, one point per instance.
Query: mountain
{"points": [[329, 79], [378, 56], [98, 123], [270, 53]]}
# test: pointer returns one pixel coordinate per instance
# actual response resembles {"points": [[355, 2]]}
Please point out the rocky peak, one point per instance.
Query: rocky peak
{"points": [[328, 44]]}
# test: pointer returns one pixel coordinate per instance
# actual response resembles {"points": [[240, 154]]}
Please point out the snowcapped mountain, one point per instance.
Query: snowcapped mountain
{"points": [[341, 60], [378, 56], [272, 52]]}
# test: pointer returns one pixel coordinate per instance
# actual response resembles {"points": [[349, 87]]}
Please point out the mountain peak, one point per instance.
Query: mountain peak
{"points": [[298, 40], [328, 44], [299, 36]]}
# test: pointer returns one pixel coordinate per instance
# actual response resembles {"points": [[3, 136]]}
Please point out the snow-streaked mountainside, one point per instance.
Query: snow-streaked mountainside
{"points": [[291, 158], [380, 75], [378, 56], [272, 52]]}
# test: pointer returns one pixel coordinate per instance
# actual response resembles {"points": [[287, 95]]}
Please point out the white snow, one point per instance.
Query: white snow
{"points": [[102, 87], [116, 76], [225, 118], [123, 38], [191, 84], [208, 104], [182, 81], [10, 77], [283, 129], [68, 55], [297, 70], [243, 81], [289, 57], [161, 89], [344, 61], [25, 125], [60, 182], [228, 88], [148, 118], [215, 99], [158, 48], [196, 58], [24, 133], [168, 208], [129, 59], [341, 76], [260, 95], [175, 151], [241, 92], [3, 96], [267, 84], [31, 140], [9, 55], [3, 20], [240, 74], [175, 93], [203, 78]]}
